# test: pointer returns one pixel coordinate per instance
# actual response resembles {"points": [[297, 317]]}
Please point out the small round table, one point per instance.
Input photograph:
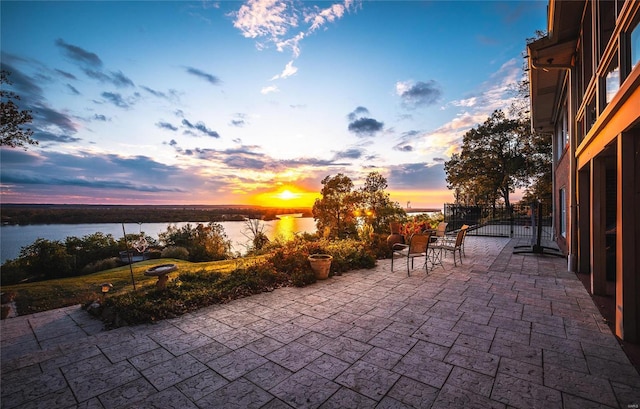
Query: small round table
{"points": [[161, 272]]}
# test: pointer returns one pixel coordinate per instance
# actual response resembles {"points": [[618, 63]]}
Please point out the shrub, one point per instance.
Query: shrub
{"points": [[349, 254], [13, 273], [285, 265], [379, 246], [189, 292], [101, 265], [176, 252]]}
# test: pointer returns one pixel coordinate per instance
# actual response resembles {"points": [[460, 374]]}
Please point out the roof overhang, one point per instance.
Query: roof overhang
{"points": [[549, 62], [550, 58]]}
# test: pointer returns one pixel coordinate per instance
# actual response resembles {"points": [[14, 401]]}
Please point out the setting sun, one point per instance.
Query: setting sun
{"points": [[287, 195]]}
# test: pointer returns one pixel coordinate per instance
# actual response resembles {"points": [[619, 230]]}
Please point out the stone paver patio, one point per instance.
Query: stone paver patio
{"points": [[500, 331]]}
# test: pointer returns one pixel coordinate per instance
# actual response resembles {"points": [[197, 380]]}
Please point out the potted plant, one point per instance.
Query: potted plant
{"points": [[320, 264], [396, 236]]}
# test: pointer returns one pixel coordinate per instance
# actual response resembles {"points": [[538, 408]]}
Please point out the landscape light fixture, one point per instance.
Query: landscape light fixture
{"points": [[105, 287]]}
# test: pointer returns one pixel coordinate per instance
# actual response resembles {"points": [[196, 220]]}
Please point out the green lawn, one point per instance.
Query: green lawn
{"points": [[51, 294]]}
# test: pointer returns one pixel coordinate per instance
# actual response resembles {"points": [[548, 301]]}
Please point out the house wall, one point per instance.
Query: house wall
{"points": [[602, 166], [561, 177]]}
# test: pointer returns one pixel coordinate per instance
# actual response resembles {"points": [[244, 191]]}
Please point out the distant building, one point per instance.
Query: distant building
{"points": [[585, 77]]}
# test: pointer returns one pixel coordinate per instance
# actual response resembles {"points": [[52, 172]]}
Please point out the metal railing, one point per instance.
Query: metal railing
{"points": [[499, 221]]}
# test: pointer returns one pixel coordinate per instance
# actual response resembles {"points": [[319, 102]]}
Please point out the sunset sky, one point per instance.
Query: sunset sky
{"points": [[255, 102]]}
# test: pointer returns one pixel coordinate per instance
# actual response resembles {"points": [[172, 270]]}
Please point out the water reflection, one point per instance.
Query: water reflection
{"points": [[286, 227]]}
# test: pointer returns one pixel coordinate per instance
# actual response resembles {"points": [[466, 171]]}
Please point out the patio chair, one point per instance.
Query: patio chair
{"points": [[417, 247], [440, 232], [453, 246], [450, 238]]}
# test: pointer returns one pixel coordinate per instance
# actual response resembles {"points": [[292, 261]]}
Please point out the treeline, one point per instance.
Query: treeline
{"points": [[76, 214]]}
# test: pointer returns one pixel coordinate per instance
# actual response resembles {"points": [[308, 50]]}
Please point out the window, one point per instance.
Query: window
{"points": [[635, 45], [587, 48], [607, 14], [612, 80], [562, 134], [562, 207]]}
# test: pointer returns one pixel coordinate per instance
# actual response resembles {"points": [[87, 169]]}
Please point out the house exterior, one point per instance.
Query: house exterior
{"points": [[584, 87]]}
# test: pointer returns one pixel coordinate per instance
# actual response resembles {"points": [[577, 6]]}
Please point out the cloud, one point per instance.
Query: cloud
{"points": [[357, 112], [44, 136], [467, 102], [73, 90], [363, 126], [418, 94], [116, 78], [270, 21], [353, 153], [79, 54], [66, 74], [201, 127], [91, 65], [28, 89], [88, 175], [288, 71], [265, 18], [212, 79], [116, 99], [330, 14], [238, 120], [410, 175], [166, 125], [269, 89], [100, 118], [153, 92]]}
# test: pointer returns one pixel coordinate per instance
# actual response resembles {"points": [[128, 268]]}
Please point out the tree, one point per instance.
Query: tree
{"points": [[13, 119], [254, 231], [335, 211], [492, 162], [204, 242], [46, 259], [376, 207], [90, 248]]}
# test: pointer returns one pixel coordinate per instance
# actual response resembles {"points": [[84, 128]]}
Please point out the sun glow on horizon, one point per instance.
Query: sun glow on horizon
{"points": [[285, 197], [288, 195]]}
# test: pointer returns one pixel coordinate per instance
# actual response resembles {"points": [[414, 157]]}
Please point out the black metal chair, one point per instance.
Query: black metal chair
{"points": [[453, 246]]}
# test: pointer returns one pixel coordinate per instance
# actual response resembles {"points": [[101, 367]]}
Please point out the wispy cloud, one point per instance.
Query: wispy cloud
{"points": [[270, 21], [269, 89], [200, 127], [79, 54], [410, 175], [91, 65], [116, 99], [166, 125], [238, 120], [210, 78], [288, 71]]}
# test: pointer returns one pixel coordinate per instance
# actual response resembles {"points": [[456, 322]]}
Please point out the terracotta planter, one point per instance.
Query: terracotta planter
{"points": [[320, 264], [395, 239]]}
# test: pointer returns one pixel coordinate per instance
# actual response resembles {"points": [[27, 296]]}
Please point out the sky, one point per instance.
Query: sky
{"points": [[254, 102]]}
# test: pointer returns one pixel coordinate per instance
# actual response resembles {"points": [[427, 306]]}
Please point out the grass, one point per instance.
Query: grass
{"points": [[192, 286], [62, 292]]}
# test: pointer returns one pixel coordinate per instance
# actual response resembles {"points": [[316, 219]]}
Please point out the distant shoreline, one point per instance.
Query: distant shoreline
{"points": [[26, 214]]}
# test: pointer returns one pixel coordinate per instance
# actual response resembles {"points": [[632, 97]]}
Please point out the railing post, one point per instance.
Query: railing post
{"points": [[511, 221]]}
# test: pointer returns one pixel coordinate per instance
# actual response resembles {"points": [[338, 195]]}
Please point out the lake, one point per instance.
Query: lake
{"points": [[13, 238]]}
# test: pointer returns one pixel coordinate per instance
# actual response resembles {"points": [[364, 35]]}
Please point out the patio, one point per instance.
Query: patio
{"points": [[502, 330]]}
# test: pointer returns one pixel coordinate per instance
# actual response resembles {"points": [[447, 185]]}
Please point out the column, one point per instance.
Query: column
{"points": [[598, 228], [628, 237]]}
